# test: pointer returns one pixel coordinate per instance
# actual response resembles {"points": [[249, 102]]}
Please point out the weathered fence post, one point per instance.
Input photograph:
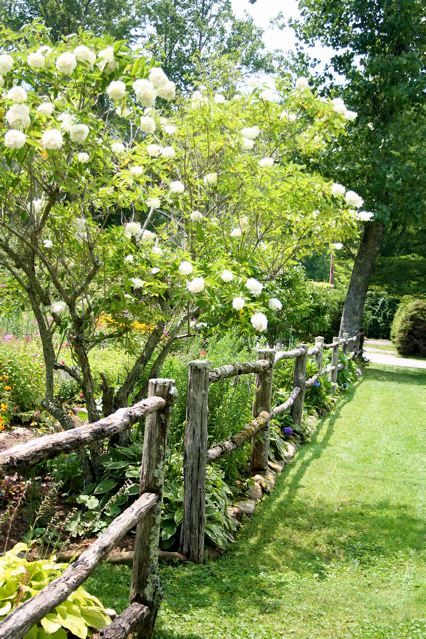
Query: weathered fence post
{"points": [[319, 343], [299, 382], [262, 402], [194, 465], [145, 587], [345, 343], [335, 360]]}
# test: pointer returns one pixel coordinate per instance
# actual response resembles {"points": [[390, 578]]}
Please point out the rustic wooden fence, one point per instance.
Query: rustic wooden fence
{"points": [[144, 514], [196, 452]]}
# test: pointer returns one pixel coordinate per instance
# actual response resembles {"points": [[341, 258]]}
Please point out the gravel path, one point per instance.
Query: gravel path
{"points": [[376, 351]]}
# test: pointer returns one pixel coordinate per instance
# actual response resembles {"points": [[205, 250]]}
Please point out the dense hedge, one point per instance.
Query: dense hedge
{"points": [[410, 329], [379, 311]]}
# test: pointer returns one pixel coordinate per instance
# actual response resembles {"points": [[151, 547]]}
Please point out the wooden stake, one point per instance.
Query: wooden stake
{"points": [[334, 360], [262, 402], [319, 343], [299, 382]]}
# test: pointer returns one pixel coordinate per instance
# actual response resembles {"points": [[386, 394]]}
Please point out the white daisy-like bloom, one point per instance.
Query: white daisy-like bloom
{"points": [[36, 61], [52, 140], [147, 124], [247, 143], [47, 244], [6, 63], [84, 54], [337, 246], [14, 139], [145, 92], [364, 216], [18, 116], [79, 132], [153, 202], [116, 90], [136, 170], [148, 237], [266, 162], [254, 286], [197, 285], [118, 148], [168, 152], [185, 268], [236, 232], [155, 270], [67, 120], [157, 77], [154, 150], [227, 276], [167, 91], [302, 84], [66, 63], [107, 59], [353, 199], [351, 115], [129, 259], [287, 115], [219, 98], [210, 179], [137, 282], [338, 190], [259, 321], [275, 304], [17, 94], [156, 250], [196, 216], [132, 229], [238, 303], [46, 108], [58, 307], [170, 129], [250, 132], [177, 187], [83, 157]]}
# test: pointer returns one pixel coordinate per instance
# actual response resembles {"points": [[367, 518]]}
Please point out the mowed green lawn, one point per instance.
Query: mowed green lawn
{"points": [[336, 551]]}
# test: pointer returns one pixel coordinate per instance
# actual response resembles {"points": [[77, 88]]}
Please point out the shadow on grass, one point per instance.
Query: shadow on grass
{"points": [[396, 374]]}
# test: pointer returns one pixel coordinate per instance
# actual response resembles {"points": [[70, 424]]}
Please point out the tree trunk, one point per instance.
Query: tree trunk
{"points": [[363, 268]]}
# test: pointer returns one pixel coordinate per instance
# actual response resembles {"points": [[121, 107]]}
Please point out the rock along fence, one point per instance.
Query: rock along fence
{"points": [[196, 452]]}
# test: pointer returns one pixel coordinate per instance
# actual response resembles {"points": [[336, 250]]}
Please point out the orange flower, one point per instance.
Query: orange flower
{"points": [[3, 407], [7, 388]]}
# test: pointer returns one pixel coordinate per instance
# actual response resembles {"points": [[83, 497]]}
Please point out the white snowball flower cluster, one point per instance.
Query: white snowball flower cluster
{"points": [[118, 148], [154, 150], [340, 107], [247, 143], [353, 199], [66, 63], [259, 321], [364, 216], [266, 162], [196, 216], [52, 140], [197, 98], [302, 84], [185, 268], [227, 276], [83, 158], [210, 179], [58, 307], [136, 170], [219, 98], [36, 61], [17, 94], [18, 116], [177, 187], [196, 285], [153, 202], [165, 88], [238, 303], [132, 229], [156, 250], [236, 232], [147, 124], [37, 205], [338, 190], [79, 132], [275, 304], [137, 282], [14, 139], [254, 286], [116, 90], [67, 120], [129, 259], [337, 246], [6, 63], [107, 59], [148, 237], [250, 132], [84, 54], [145, 92], [168, 152], [47, 244], [46, 108], [170, 129]]}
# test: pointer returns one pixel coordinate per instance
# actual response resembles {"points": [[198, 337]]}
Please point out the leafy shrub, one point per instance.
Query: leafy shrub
{"points": [[22, 372], [405, 301], [410, 334], [79, 616], [379, 311]]}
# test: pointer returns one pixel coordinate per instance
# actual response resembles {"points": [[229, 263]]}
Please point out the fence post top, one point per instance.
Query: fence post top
{"points": [[267, 352], [336, 340], [319, 339], [200, 363], [163, 387]]}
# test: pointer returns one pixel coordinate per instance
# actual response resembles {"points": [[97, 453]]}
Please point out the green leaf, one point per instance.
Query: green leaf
{"points": [[105, 486]]}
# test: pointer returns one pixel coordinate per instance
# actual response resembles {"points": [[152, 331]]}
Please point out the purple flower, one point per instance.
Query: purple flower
{"points": [[288, 431], [8, 337], [317, 383]]}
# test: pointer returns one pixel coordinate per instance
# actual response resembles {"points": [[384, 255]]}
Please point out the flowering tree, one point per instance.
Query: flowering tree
{"points": [[115, 217]]}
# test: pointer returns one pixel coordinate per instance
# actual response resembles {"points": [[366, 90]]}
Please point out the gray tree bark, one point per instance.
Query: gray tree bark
{"points": [[363, 268]]}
